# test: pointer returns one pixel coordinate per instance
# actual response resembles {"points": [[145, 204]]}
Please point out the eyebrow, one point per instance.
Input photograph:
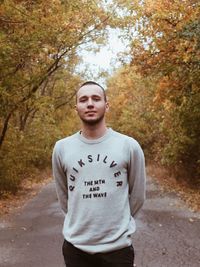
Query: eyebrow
{"points": [[85, 96]]}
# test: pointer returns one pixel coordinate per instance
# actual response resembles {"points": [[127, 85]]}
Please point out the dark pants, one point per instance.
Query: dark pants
{"points": [[75, 257]]}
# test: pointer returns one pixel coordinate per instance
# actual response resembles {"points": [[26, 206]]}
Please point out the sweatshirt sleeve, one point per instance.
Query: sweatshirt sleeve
{"points": [[137, 178], [60, 179]]}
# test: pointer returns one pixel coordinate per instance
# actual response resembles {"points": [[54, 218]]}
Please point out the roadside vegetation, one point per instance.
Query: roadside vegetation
{"points": [[155, 97]]}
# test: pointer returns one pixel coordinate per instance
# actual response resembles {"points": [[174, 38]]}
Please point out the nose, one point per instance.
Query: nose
{"points": [[90, 103]]}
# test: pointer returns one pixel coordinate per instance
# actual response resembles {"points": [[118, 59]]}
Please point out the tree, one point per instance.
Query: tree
{"points": [[131, 99], [166, 47], [38, 55], [38, 38]]}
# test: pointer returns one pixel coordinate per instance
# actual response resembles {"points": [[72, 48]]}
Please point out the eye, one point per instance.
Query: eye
{"points": [[96, 98], [83, 99]]}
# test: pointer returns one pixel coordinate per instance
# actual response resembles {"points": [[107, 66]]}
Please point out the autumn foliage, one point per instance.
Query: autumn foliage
{"points": [[161, 86], [38, 53], [155, 98]]}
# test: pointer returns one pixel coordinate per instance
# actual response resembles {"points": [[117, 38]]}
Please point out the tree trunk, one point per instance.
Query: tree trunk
{"points": [[5, 127]]}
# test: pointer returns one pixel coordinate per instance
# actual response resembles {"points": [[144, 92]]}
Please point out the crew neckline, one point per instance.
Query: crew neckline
{"points": [[94, 141]]}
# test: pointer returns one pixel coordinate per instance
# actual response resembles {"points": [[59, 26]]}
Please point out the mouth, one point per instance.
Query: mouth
{"points": [[90, 112]]}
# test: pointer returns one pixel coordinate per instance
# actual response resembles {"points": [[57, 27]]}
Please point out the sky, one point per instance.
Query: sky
{"points": [[107, 59]]}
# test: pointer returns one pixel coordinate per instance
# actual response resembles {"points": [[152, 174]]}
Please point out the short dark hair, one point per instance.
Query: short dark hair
{"points": [[94, 83]]}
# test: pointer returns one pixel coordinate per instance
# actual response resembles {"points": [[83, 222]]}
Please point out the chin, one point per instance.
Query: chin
{"points": [[92, 121]]}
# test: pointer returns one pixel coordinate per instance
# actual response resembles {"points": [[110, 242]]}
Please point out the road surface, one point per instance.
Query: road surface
{"points": [[168, 233]]}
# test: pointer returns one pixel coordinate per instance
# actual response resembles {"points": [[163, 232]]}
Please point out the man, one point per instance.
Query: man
{"points": [[100, 183]]}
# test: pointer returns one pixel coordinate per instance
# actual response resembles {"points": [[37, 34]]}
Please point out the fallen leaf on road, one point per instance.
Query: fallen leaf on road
{"points": [[191, 220]]}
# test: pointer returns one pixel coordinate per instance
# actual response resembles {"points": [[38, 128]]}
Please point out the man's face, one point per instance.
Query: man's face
{"points": [[91, 105]]}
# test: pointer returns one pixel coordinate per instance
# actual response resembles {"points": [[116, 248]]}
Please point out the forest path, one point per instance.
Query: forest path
{"points": [[167, 232]]}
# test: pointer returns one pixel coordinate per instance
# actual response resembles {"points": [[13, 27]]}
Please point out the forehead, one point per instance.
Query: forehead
{"points": [[89, 90]]}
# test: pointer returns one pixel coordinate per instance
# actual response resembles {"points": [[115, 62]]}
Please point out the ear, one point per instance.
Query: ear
{"points": [[75, 107], [107, 106]]}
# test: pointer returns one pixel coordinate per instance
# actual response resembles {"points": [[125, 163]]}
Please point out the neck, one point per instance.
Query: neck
{"points": [[93, 131]]}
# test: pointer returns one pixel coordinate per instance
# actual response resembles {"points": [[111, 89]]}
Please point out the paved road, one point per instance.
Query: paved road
{"points": [[167, 236]]}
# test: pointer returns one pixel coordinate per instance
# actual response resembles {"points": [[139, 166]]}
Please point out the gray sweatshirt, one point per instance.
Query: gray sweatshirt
{"points": [[100, 186]]}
